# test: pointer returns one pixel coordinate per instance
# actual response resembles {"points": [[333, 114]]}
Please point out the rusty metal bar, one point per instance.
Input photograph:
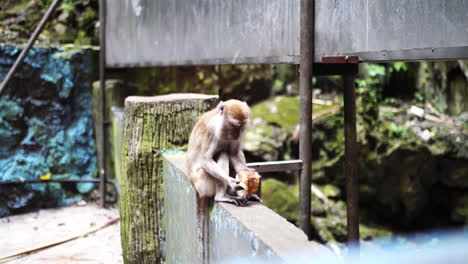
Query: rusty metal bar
{"points": [[352, 184], [30, 43], [273, 166], [102, 100], [305, 94], [340, 59], [324, 69]]}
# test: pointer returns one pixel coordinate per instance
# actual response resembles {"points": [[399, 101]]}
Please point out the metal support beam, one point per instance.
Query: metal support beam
{"points": [[273, 166], [305, 94], [325, 69], [30, 43], [102, 100], [351, 166]]}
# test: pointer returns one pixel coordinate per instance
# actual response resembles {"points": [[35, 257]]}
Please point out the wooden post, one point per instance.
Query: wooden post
{"points": [[152, 125]]}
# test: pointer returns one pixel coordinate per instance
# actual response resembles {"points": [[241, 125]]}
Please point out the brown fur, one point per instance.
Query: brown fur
{"points": [[209, 137], [237, 110]]}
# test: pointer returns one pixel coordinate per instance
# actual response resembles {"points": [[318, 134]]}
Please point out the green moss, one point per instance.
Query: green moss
{"points": [[13, 7], [331, 190], [265, 141], [283, 111], [281, 198], [368, 232], [460, 212], [322, 232]]}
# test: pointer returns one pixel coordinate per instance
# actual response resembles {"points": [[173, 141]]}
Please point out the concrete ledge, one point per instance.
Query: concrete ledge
{"points": [[253, 231]]}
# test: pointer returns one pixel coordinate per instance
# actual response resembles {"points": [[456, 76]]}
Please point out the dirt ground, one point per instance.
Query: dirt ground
{"points": [[22, 232]]}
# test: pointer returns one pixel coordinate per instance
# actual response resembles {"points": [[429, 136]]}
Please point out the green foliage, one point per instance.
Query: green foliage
{"points": [[282, 110], [284, 75], [419, 96], [74, 21], [376, 75], [464, 124], [282, 198], [376, 70], [45, 3], [374, 81], [397, 130], [398, 66], [68, 6]]}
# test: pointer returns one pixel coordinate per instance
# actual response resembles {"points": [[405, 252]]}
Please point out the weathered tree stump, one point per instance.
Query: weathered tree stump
{"points": [[152, 124]]}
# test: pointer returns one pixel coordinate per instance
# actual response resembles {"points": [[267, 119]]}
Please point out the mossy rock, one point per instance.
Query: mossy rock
{"points": [[331, 191], [318, 207], [280, 110], [283, 111], [266, 142], [367, 232], [281, 198], [460, 211], [332, 226], [321, 230], [455, 173]]}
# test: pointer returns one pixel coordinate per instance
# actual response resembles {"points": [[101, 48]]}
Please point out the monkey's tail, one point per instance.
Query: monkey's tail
{"points": [[202, 230]]}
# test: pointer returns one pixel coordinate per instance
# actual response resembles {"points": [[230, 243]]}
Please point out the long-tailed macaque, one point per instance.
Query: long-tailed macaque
{"points": [[218, 132], [213, 151]]}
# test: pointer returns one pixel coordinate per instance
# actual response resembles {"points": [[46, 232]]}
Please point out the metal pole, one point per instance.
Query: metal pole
{"points": [[305, 94], [30, 43], [352, 183], [102, 100]]}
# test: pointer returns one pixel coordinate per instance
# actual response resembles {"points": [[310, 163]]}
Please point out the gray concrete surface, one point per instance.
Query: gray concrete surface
{"points": [[25, 231], [254, 231]]}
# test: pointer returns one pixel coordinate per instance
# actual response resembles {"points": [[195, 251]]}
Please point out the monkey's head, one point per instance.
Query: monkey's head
{"points": [[236, 116]]}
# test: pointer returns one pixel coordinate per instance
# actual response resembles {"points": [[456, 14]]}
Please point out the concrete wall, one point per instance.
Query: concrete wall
{"points": [[253, 231]]}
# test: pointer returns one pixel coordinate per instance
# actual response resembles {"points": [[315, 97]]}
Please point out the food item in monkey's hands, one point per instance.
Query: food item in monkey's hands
{"points": [[249, 180]]}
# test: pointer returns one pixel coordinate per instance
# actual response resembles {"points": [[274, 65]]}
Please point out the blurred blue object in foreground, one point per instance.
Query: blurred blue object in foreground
{"points": [[449, 247]]}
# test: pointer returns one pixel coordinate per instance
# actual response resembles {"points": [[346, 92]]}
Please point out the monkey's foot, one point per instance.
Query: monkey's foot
{"points": [[255, 198], [227, 199]]}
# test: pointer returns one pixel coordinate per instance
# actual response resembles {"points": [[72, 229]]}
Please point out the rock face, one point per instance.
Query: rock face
{"points": [[46, 126], [72, 22], [406, 182], [445, 84]]}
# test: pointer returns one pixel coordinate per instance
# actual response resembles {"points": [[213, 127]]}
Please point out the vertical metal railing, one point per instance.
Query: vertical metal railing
{"points": [[351, 166], [31, 41], [305, 94], [102, 101]]}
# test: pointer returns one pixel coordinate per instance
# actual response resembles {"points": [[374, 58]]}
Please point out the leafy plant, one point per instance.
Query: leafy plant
{"points": [[68, 6], [374, 81], [464, 124], [399, 66]]}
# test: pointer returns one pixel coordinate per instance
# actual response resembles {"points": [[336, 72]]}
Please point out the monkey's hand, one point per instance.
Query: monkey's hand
{"points": [[255, 198], [233, 184]]}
